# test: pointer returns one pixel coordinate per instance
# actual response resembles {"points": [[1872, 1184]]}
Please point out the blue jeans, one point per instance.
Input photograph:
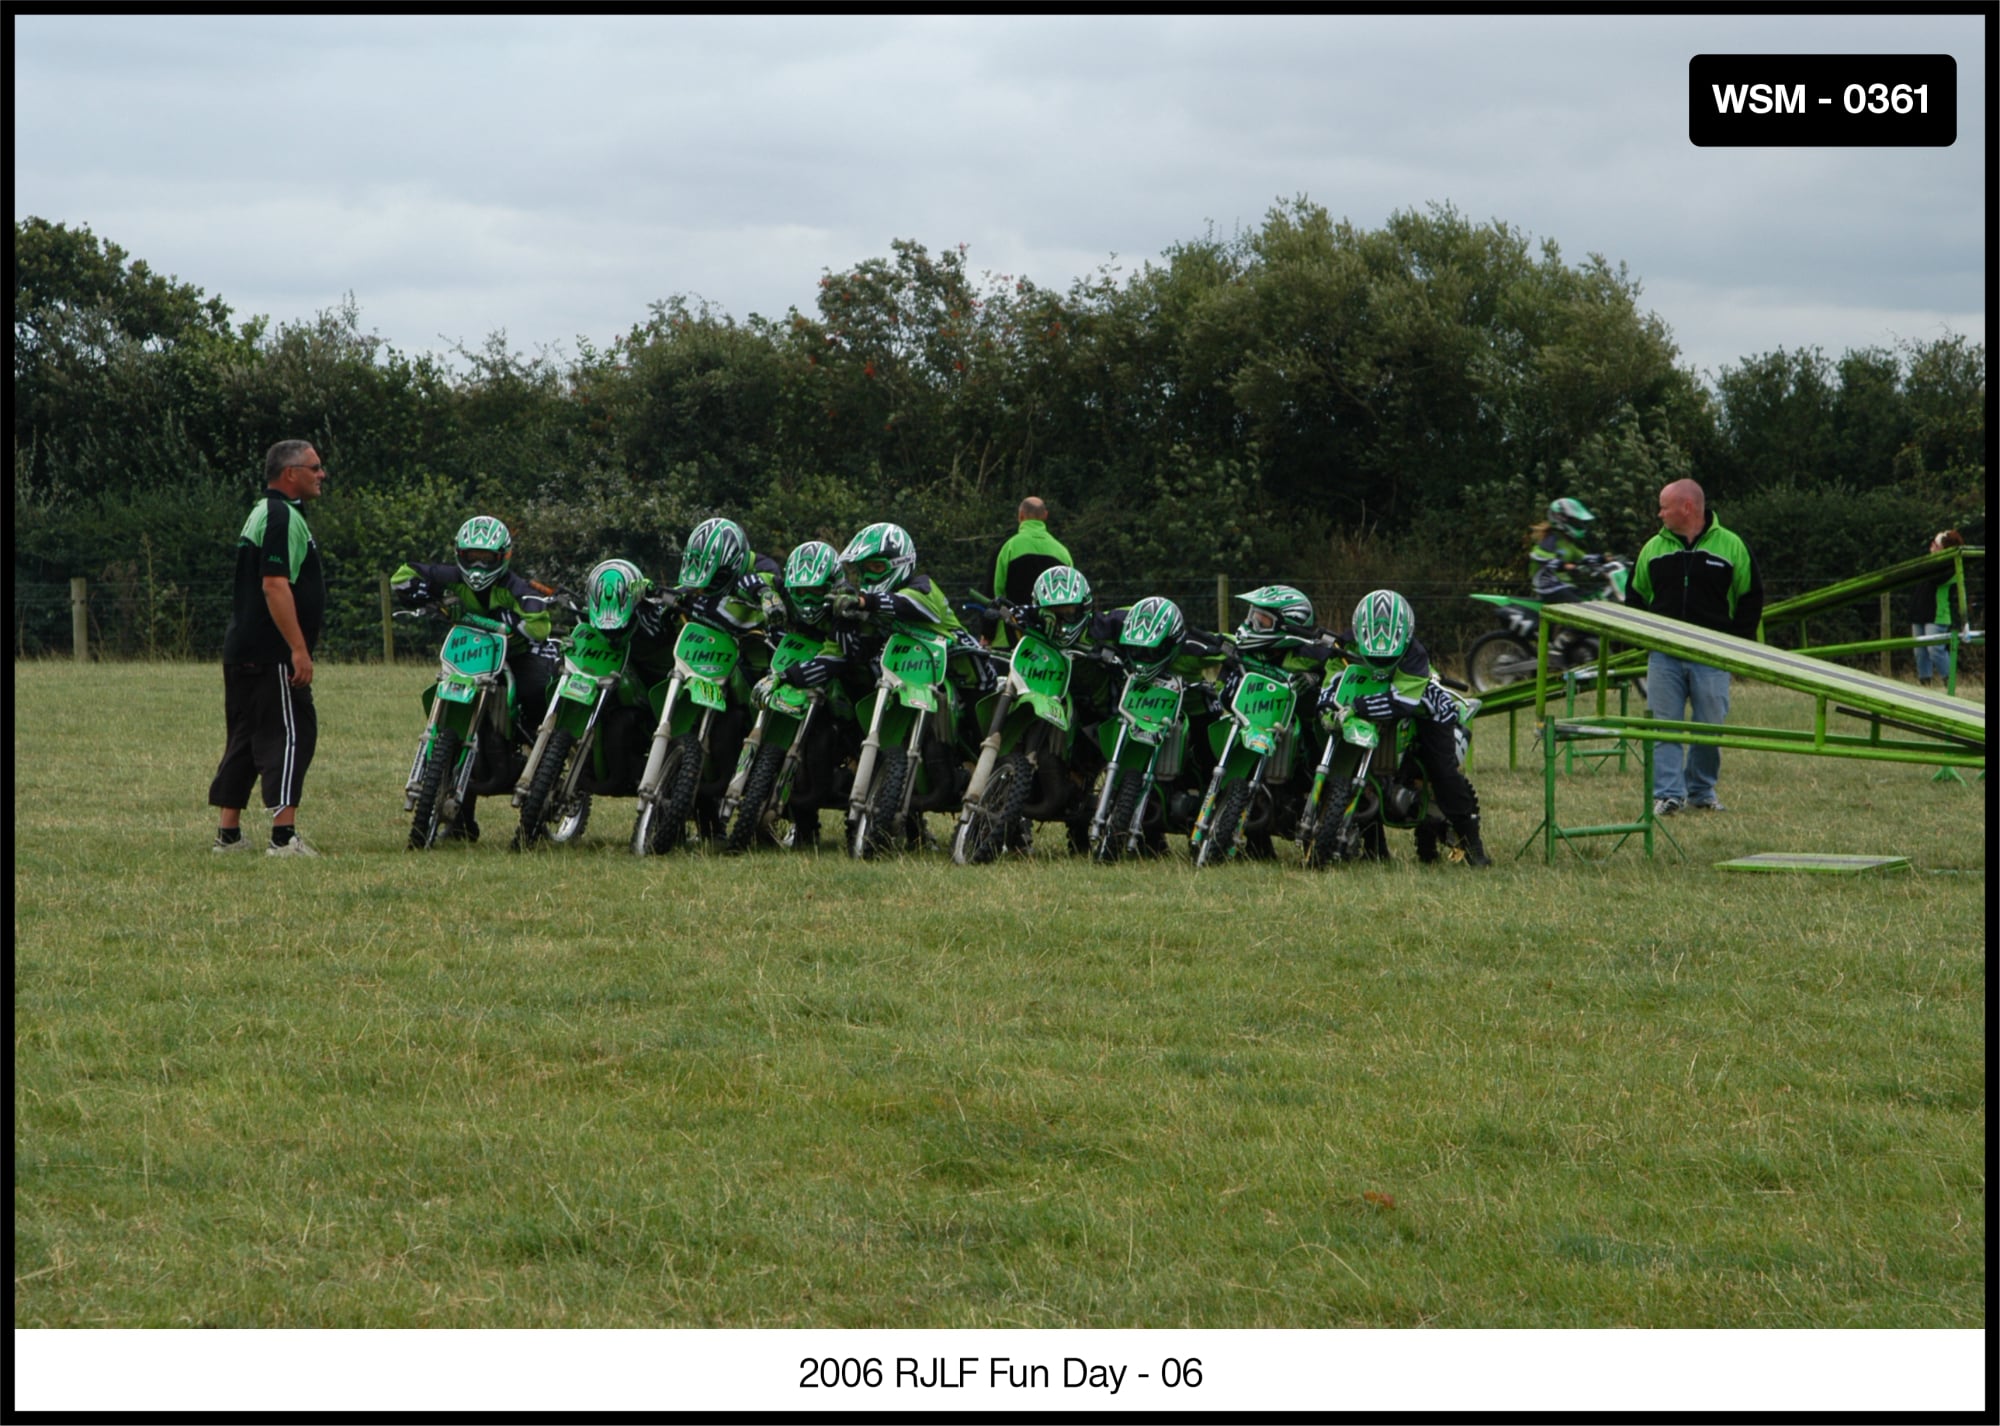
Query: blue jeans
{"points": [[1931, 658], [1677, 688]]}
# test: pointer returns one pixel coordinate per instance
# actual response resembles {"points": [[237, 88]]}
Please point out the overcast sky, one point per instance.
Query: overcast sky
{"points": [[554, 176]]}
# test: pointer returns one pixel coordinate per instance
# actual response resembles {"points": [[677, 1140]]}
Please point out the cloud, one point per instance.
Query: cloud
{"points": [[555, 175]]}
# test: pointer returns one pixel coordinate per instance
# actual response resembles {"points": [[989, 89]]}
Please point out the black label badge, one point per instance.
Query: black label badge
{"points": [[1823, 100]]}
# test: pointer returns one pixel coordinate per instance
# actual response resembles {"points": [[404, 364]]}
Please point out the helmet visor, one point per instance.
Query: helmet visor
{"points": [[1262, 621], [480, 559], [808, 599], [873, 569]]}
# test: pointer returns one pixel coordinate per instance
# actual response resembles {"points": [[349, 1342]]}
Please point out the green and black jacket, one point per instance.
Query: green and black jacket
{"points": [[1709, 581]]}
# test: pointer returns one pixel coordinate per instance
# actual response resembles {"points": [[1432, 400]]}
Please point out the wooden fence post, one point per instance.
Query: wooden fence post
{"points": [[388, 624], [1222, 604], [79, 618]]}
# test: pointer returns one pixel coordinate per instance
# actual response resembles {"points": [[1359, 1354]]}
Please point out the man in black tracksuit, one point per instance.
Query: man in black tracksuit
{"points": [[279, 606]]}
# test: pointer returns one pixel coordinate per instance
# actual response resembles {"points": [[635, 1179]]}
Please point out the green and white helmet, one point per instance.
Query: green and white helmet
{"points": [[484, 550], [1152, 635], [883, 557], [1062, 595], [716, 556], [611, 594], [1384, 624], [1569, 516], [1279, 614], [810, 571]]}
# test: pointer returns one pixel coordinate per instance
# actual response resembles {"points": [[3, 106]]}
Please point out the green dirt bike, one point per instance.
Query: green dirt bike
{"points": [[1020, 776], [759, 796], [1507, 654], [468, 743], [909, 710], [697, 696], [1143, 753], [572, 757], [1368, 777], [1255, 744]]}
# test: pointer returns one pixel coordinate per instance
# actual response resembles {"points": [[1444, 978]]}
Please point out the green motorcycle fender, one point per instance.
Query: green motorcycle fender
{"points": [[1029, 709], [900, 713]]}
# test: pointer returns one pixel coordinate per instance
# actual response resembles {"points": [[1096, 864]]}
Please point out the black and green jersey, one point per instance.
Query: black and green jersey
{"points": [[525, 607], [274, 540], [1550, 553], [1709, 581], [1934, 600]]}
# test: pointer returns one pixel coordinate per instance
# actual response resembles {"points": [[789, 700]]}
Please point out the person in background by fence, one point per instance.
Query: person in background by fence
{"points": [[1029, 552], [278, 609], [1933, 608]]}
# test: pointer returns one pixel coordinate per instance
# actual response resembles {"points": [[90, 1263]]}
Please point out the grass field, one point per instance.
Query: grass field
{"points": [[472, 1089]]}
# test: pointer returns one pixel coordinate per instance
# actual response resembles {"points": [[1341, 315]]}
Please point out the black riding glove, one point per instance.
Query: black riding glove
{"points": [[1376, 707]]}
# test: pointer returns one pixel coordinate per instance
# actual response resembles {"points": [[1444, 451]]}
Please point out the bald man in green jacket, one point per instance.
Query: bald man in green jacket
{"points": [[1023, 558]]}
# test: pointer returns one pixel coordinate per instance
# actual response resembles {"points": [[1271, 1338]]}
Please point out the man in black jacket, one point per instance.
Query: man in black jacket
{"points": [[1696, 571]]}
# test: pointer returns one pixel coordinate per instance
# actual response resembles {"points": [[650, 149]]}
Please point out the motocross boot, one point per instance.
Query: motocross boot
{"points": [[465, 828], [1374, 844], [1427, 840], [1468, 836]]}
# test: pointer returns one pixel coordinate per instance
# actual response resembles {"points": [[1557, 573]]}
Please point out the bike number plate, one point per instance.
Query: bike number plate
{"points": [[1041, 667], [792, 649], [1262, 702], [473, 651], [1151, 708], [704, 654], [707, 694], [908, 659]]}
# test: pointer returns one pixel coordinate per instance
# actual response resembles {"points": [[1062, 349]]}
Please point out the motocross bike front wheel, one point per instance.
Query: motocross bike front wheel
{"points": [[1334, 838], [880, 825], [568, 818], [541, 792], [661, 825], [988, 827], [759, 790], [1116, 839], [438, 768], [1498, 659], [1230, 809]]}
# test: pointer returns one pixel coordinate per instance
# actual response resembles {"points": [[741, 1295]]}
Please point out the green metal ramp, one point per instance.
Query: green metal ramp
{"points": [[1924, 710], [1796, 610], [1881, 581], [1948, 731]]}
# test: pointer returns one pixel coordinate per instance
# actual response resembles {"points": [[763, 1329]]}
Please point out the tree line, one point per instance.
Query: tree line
{"points": [[1307, 401]]}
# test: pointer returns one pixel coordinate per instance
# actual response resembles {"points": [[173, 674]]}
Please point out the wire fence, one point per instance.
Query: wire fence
{"points": [[136, 620]]}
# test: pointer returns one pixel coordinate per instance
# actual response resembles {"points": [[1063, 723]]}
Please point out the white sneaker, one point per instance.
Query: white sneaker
{"points": [[241, 844], [295, 848]]}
